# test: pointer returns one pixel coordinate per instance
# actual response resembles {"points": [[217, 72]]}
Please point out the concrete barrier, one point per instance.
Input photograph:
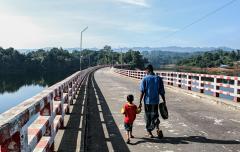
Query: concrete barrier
{"points": [[216, 85], [33, 124]]}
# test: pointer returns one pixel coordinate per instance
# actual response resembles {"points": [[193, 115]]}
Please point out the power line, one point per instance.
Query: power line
{"points": [[202, 18]]}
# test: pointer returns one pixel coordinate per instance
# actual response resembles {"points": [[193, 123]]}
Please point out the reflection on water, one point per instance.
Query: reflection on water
{"points": [[16, 88], [9, 100]]}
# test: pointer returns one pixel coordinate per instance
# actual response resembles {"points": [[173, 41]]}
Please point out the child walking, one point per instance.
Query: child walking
{"points": [[129, 110]]}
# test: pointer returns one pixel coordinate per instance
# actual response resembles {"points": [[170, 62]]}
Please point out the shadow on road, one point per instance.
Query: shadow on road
{"points": [[186, 140], [99, 131], [69, 141], [96, 129]]}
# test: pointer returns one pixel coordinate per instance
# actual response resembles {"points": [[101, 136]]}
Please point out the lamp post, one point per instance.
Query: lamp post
{"points": [[81, 47], [89, 60], [112, 60], [121, 59]]}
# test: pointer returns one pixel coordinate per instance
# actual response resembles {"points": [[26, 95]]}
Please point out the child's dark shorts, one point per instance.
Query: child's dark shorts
{"points": [[128, 127]]}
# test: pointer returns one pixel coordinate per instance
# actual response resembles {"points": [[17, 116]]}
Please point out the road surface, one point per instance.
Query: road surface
{"points": [[96, 124], [193, 125]]}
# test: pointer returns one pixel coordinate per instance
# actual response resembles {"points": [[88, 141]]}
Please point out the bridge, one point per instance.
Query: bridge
{"points": [[82, 113]]}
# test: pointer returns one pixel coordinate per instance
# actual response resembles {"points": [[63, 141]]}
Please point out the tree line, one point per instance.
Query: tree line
{"points": [[212, 59], [160, 58], [60, 60]]}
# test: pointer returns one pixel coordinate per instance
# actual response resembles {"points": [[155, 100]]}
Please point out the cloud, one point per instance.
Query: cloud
{"points": [[19, 31], [141, 3], [124, 25]]}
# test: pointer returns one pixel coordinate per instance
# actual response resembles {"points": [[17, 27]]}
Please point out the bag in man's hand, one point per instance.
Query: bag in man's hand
{"points": [[163, 110]]}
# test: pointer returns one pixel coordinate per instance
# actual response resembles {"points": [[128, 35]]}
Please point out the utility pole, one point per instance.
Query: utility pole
{"points": [[81, 47], [121, 59], [112, 59], [89, 61]]}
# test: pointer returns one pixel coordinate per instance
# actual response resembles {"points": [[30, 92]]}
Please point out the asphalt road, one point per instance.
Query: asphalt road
{"points": [[193, 125]]}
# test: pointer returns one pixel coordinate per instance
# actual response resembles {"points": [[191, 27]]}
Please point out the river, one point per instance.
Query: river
{"points": [[14, 89]]}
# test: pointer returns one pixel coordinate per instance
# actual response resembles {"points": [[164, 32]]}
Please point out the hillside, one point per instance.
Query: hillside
{"points": [[161, 58], [212, 59], [175, 49]]}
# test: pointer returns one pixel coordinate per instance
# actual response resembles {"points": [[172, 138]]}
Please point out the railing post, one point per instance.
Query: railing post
{"points": [[70, 93], [161, 75], [171, 79], [75, 85], [179, 80], [66, 90], [189, 82], [216, 87], [50, 129], [62, 111], [24, 138], [236, 90], [200, 84], [168, 79], [13, 144], [48, 111], [59, 98]]}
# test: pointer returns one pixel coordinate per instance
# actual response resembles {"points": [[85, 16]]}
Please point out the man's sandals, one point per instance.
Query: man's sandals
{"points": [[150, 135], [160, 134]]}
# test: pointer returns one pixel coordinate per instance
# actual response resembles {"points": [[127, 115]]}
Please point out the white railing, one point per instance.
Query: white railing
{"points": [[33, 124], [216, 85]]}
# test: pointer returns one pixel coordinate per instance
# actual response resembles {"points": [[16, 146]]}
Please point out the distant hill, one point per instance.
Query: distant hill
{"points": [[49, 48], [211, 59], [161, 58], [141, 49], [175, 49]]}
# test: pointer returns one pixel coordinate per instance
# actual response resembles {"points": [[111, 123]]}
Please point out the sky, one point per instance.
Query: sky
{"points": [[119, 23]]}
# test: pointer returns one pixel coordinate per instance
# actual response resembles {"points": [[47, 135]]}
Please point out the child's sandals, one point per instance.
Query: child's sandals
{"points": [[128, 141]]}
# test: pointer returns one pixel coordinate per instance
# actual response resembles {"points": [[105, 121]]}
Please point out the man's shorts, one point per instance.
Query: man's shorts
{"points": [[128, 127]]}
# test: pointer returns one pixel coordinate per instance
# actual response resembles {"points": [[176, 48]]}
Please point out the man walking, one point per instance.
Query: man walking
{"points": [[151, 87]]}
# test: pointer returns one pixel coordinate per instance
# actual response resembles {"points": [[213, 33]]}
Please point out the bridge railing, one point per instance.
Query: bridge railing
{"points": [[33, 124], [227, 87]]}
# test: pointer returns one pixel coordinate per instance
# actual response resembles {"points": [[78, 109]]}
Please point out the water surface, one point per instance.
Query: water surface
{"points": [[9, 100], [14, 89]]}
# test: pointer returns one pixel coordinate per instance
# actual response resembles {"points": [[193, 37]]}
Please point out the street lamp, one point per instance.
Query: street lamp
{"points": [[121, 59], [89, 60], [81, 47]]}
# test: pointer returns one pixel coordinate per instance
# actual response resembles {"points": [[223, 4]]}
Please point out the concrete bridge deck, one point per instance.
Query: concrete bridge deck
{"points": [[193, 124]]}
